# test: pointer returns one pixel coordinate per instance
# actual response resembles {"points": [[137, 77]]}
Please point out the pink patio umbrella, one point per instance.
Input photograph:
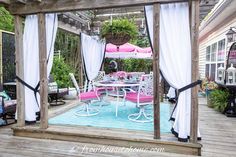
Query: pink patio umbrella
{"points": [[144, 50], [127, 51], [127, 47]]}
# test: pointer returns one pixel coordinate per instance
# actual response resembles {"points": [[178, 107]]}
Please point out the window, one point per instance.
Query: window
{"points": [[215, 56], [207, 70], [208, 51], [221, 50], [213, 71], [210, 71], [213, 52]]}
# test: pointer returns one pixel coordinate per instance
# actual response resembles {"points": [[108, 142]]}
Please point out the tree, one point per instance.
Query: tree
{"points": [[67, 44], [6, 20]]}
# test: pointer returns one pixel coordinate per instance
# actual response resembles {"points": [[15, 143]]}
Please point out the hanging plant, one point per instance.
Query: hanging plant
{"points": [[119, 31]]}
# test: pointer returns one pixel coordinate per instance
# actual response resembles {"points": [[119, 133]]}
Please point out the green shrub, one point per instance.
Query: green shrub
{"points": [[139, 65], [141, 41], [219, 99], [60, 72]]}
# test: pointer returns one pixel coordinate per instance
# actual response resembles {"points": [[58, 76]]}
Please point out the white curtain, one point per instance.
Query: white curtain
{"points": [[93, 51], [31, 58], [175, 58], [171, 93]]}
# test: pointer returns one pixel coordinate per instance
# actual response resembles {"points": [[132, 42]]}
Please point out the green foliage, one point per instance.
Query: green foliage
{"points": [[6, 20], [218, 99], [120, 26], [60, 72], [139, 65], [141, 42], [68, 45], [130, 65]]}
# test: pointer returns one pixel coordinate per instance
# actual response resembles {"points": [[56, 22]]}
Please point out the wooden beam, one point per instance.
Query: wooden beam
{"points": [[156, 72], [47, 6], [20, 1], [87, 15], [5, 2], [119, 10], [76, 18], [107, 136], [19, 60], [64, 18], [43, 71], [195, 57], [137, 21], [118, 15], [69, 28]]}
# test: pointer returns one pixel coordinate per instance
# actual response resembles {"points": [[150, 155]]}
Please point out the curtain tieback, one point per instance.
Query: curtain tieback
{"points": [[35, 90], [191, 85], [178, 91]]}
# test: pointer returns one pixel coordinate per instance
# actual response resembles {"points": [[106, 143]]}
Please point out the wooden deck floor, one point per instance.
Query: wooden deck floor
{"points": [[218, 132], [218, 139]]}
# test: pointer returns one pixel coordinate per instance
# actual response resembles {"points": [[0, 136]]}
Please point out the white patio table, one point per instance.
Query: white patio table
{"points": [[117, 85]]}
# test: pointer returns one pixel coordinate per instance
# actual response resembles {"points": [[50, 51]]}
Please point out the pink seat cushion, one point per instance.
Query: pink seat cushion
{"points": [[8, 103], [88, 96], [142, 98]]}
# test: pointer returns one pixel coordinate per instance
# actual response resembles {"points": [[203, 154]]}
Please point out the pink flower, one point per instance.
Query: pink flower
{"points": [[121, 74]]}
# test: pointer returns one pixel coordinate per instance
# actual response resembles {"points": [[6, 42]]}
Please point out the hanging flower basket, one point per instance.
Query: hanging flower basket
{"points": [[119, 31], [117, 39]]}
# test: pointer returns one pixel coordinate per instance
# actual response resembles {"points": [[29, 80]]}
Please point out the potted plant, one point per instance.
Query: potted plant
{"points": [[119, 31], [208, 86], [219, 99]]}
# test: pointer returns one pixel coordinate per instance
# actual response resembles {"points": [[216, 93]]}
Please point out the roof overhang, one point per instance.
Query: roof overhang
{"points": [[220, 16]]}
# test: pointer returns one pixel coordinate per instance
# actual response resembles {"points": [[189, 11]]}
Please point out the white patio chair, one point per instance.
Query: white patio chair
{"points": [[86, 97], [100, 76], [142, 98]]}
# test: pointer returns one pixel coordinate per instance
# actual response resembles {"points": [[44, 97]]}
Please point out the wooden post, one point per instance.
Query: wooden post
{"points": [[162, 89], [19, 60], [156, 72], [81, 73], [43, 71], [81, 76], [194, 42]]}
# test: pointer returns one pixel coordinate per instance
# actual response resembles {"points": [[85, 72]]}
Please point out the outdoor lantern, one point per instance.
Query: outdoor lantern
{"points": [[230, 35], [231, 71], [220, 74]]}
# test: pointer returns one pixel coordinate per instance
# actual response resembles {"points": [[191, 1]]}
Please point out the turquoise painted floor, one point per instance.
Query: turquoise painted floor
{"points": [[107, 119]]}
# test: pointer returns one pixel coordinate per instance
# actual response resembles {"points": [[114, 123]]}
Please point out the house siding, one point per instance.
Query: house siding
{"points": [[211, 38]]}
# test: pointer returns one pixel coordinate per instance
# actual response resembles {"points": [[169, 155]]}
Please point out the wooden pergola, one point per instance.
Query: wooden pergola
{"points": [[20, 8], [137, 13]]}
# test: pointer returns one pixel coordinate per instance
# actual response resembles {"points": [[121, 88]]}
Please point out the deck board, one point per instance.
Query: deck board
{"points": [[218, 132], [218, 139]]}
